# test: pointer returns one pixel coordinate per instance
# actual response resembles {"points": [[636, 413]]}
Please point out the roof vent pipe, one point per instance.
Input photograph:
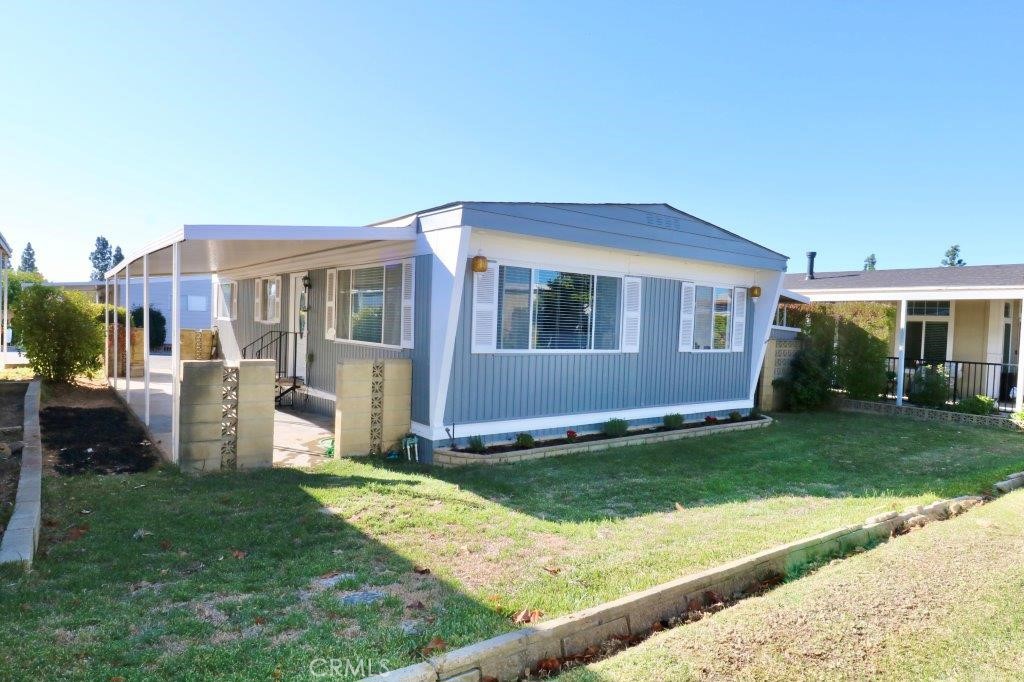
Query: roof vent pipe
{"points": [[810, 264]]}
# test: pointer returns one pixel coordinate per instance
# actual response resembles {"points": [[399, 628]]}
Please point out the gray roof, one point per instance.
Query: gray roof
{"points": [[970, 276], [650, 227]]}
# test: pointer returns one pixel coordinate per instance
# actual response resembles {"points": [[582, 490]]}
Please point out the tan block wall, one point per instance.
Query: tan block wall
{"points": [[777, 358], [201, 400], [353, 407], [255, 445], [197, 344]]}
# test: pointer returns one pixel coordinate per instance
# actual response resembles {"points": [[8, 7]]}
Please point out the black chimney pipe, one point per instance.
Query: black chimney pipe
{"points": [[810, 264]]}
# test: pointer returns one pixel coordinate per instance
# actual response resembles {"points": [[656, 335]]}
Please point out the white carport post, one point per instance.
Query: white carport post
{"points": [[127, 334], [3, 341], [117, 341], [145, 338], [1020, 361], [901, 354], [175, 347], [106, 328]]}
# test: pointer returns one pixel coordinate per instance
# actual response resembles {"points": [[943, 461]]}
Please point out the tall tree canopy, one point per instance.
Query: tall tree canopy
{"points": [[870, 262], [102, 258], [28, 259], [953, 259], [117, 257]]}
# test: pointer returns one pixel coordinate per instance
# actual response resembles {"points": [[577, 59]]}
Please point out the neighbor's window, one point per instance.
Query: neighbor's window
{"points": [[227, 301], [556, 310], [712, 313], [929, 308], [370, 305], [268, 299], [196, 304]]}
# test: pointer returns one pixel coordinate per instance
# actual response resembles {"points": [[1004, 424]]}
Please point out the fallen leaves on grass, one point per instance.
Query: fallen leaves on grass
{"points": [[76, 532], [165, 544], [434, 645], [421, 570], [553, 570], [527, 616], [239, 554], [140, 533], [680, 507]]}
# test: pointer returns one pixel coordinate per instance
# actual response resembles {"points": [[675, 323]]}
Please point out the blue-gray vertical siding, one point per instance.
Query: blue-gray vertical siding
{"points": [[326, 354], [499, 386], [160, 299]]}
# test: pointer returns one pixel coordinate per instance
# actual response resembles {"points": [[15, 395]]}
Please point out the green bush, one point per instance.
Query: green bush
{"points": [[673, 421], [977, 404], [115, 311], [807, 386], [1018, 418], [615, 428], [735, 416], [861, 363], [525, 440], [476, 444], [59, 331], [157, 325], [930, 386]]}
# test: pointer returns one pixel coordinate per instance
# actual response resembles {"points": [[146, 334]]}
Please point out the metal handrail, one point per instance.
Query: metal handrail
{"points": [[966, 378], [276, 345]]}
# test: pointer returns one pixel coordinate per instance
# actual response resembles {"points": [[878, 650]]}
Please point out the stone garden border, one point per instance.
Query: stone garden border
{"points": [[22, 534], [507, 657], [445, 457], [927, 414]]}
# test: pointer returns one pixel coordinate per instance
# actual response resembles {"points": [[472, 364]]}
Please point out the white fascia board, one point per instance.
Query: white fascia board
{"points": [[764, 313], [295, 233], [789, 293], [371, 253], [914, 293], [156, 245], [450, 249], [491, 428]]}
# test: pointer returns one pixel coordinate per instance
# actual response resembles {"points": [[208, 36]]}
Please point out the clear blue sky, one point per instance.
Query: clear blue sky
{"points": [[847, 127]]}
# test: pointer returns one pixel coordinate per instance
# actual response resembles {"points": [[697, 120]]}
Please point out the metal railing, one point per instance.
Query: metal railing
{"points": [[965, 379], [279, 346]]}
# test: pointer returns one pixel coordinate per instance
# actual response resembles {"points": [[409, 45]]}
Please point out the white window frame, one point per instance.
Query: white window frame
{"points": [[407, 300], [274, 318], [558, 351], [730, 343], [950, 320], [232, 312]]}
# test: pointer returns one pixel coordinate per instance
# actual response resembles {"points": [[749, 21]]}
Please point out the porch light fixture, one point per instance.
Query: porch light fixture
{"points": [[307, 282], [479, 263], [754, 291]]}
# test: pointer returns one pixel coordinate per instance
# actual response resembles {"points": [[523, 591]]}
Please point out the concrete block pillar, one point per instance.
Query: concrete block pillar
{"points": [[200, 390], [254, 445], [373, 407]]}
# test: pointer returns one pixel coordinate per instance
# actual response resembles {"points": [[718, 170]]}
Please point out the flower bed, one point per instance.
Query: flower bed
{"points": [[591, 443]]}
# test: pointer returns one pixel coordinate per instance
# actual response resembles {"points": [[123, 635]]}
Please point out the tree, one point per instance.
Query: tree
{"points": [[953, 259], [157, 325], [870, 262], [101, 258], [117, 257], [28, 260]]}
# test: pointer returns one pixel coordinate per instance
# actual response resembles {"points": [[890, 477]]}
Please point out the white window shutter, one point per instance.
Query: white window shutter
{"points": [[258, 313], [631, 288], [408, 296], [485, 310], [739, 319], [687, 306], [330, 318]]}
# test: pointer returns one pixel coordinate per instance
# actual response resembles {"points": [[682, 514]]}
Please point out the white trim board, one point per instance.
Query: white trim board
{"points": [[913, 294], [491, 428]]}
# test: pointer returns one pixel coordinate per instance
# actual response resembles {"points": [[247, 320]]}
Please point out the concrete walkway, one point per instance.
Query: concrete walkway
{"points": [[296, 434]]}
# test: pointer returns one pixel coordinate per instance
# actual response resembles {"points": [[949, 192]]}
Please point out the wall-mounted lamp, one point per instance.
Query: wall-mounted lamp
{"points": [[307, 282], [755, 292], [479, 263]]}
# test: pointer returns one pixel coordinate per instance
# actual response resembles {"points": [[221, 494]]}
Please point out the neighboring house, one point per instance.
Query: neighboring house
{"points": [[517, 317], [196, 309], [966, 318]]}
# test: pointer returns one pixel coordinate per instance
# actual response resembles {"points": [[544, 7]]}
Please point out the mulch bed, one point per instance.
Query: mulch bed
{"points": [[101, 440], [12, 412]]}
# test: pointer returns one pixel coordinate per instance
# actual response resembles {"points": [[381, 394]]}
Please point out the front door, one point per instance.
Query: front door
{"points": [[298, 317]]}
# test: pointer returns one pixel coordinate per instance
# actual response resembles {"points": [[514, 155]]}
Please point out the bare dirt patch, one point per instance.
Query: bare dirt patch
{"points": [[86, 429], [12, 415]]}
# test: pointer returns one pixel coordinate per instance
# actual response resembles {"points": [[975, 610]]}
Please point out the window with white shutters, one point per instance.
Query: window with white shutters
{"points": [[709, 319]]}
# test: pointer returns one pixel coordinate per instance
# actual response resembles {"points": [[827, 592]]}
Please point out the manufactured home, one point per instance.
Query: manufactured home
{"points": [[475, 319]]}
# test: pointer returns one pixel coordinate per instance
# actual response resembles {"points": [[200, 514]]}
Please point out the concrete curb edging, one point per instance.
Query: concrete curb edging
{"points": [[447, 458], [508, 656], [22, 534], [1012, 482], [927, 414]]}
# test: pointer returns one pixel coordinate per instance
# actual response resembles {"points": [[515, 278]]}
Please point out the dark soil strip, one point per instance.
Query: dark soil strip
{"points": [[12, 420], [104, 440]]}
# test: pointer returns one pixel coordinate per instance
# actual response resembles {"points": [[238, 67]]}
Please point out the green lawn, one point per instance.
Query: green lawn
{"points": [[941, 603], [221, 581]]}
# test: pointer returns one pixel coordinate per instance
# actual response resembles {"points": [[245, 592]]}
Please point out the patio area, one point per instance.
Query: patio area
{"points": [[297, 434]]}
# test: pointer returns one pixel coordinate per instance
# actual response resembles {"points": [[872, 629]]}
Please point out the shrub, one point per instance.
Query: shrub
{"points": [[735, 416], [571, 436], [615, 428], [59, 332], [710, 420], [861, 363], [807, 386], [930, 386], [115, 311], [753, 413], [1018, 418], [476, 444], [673, 421], [977, 404], [525, 440], [157, 325]]}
